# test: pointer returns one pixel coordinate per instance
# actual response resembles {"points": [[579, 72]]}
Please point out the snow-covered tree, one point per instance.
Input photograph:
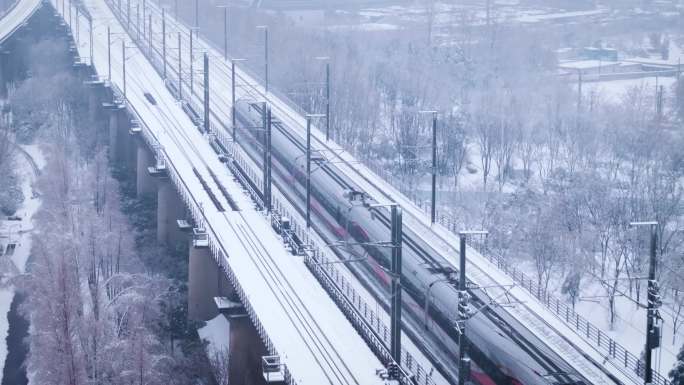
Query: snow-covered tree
{"points": [[677, 372]]}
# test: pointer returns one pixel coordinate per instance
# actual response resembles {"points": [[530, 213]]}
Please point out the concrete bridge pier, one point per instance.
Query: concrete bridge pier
{"points": [[245, 352], [206, 282], [113, 132], [3, 61], [144, 182], [170, 208], [129, 148]]}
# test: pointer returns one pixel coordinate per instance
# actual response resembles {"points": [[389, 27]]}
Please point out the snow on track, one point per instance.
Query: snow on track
{"points": [[303, 325]]}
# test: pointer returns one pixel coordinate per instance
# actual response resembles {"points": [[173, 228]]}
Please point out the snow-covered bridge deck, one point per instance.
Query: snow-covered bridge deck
{"points": [[293, 314], [19, 14]]}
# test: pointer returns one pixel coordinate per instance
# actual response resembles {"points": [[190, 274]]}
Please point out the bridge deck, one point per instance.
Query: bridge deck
{"points": [[300, 322], [17, 15]]}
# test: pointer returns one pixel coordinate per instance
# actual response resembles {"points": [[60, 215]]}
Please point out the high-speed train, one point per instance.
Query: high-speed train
{"points": [[504, 353]]}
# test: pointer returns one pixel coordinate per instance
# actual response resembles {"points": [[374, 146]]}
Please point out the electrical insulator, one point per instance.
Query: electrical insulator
{"points": [[655, 300], [654, 337], [393, 371], [463, 305]]}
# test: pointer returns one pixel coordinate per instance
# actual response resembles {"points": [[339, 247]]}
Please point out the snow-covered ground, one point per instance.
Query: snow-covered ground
{"points": [[217, 333], [630, 325], [614, 90], [19, 232]]}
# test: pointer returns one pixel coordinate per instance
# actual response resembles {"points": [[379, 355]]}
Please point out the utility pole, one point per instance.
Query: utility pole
{"points": [[207, 126], [90, 44], [308, 172], [123, 56], [327, 100], [652, 330], [395, 322], [137, 21], [653, 333], [225, 32], [144, 17], [433, 206], [433, 211], [180, 69], [269, 164], [164, 38], [463, 309], [463, 359], [264, 127], [128, 14], [197, 17], [149, 35], [579, 96], [109, 53], [659, 104], [232, 87], [265, 28], [266, 55], [308, 167], [192, 57], [78, 28]]}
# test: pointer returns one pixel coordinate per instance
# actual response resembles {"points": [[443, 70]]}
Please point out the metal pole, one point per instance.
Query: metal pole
{"points": [[225, 33], [144, 17], [463, 360], [269, 165], [90, 44], [395, 324], [149, 37], [433, 209], [266, 56], [206, 93], [232, 86], [327, 100], [78, 28], [123, 56], [128, 14], [137, 20], [70, 21], [264, 125], [308, 172], [109, 54], [180, 69], [659, 105], [197, 16], [579, 96], [651, 335], [191, 66], [164, 38]]}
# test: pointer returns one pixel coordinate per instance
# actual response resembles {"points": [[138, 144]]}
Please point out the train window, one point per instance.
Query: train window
{"points": [[150, 98]]}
